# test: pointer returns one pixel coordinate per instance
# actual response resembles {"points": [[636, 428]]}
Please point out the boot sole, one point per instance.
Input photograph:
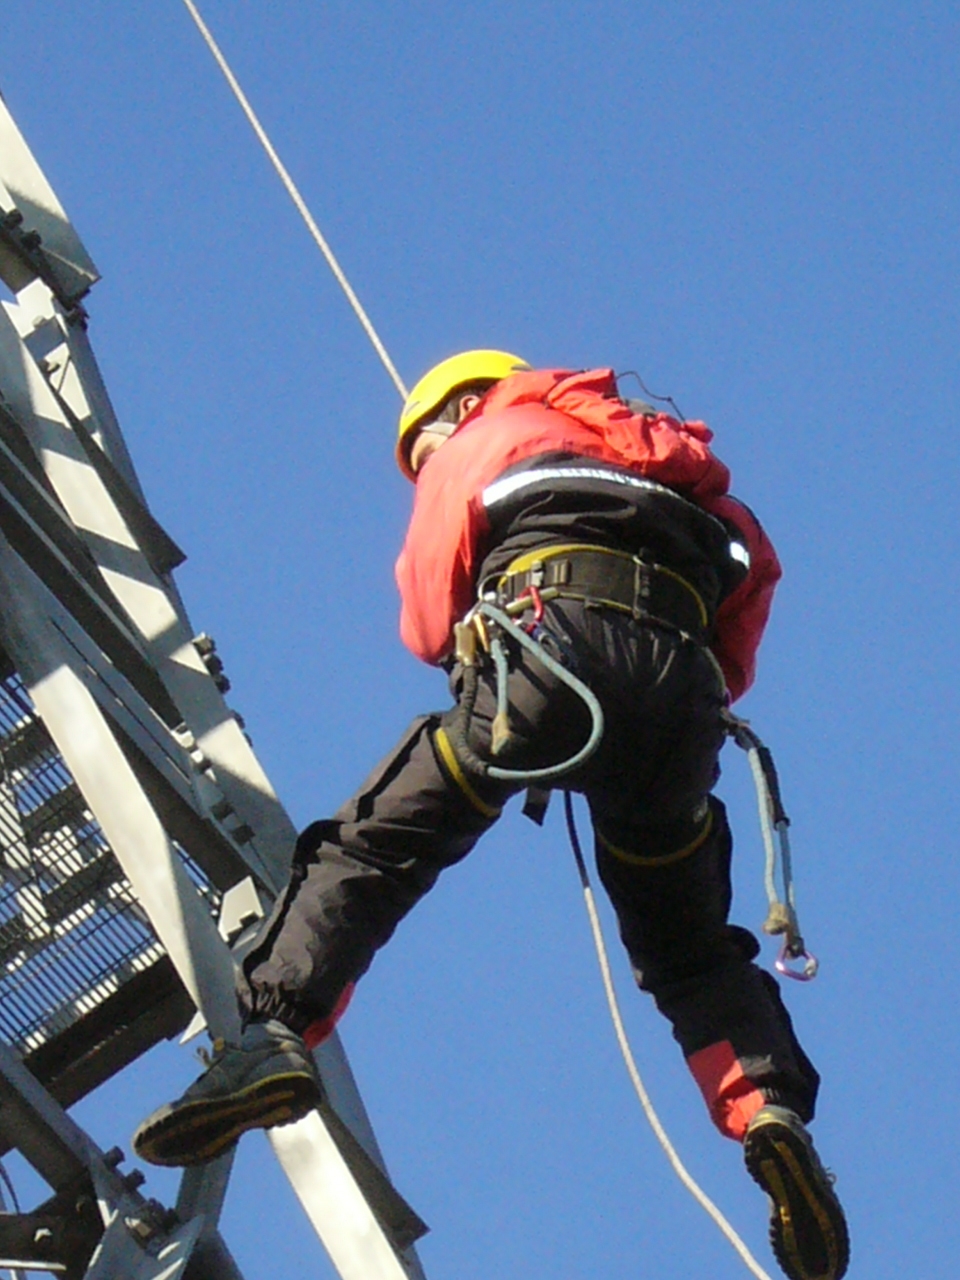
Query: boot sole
{"points": [[196, 1132], [808, 1231]]}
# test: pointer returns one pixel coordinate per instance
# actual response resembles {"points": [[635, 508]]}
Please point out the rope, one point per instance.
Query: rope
{"points": [[766, 828], [782, 913], [654, 1120], [501, 726], [298, 200]]}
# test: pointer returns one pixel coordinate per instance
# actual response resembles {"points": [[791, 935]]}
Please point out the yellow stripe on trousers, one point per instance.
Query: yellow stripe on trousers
{"points": [[455, 769], [664, 859]]}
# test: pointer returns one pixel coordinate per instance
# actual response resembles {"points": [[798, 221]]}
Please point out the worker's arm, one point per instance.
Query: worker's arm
{"points": [[436, 568], [742, 617], [671, 452]]}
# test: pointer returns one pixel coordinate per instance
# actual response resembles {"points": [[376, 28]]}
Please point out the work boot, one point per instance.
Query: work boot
{"points": [[269, 1078], [808, 1231]]}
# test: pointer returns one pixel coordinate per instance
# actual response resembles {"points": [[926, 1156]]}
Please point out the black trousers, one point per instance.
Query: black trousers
{"points": [[663, 850]]}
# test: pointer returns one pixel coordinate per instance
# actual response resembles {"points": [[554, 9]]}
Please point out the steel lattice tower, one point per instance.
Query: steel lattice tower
{"points": [[140, 840]]}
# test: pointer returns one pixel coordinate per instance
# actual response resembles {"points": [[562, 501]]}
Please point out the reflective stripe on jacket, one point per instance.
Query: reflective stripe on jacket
{"points": [[550, 412]]}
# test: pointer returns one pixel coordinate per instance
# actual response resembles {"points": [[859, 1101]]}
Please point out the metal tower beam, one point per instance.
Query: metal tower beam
{"points": [[139, 835], [139, 1239]]}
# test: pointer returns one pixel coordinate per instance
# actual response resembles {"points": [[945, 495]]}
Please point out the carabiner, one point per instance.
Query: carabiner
{"points": [[810, 964], [533, 593]]}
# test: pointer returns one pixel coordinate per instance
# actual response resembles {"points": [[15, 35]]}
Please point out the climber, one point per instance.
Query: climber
{"points": [[608, 529]]}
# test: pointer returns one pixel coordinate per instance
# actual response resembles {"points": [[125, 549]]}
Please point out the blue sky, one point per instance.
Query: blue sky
{"points": [[756, 206]]}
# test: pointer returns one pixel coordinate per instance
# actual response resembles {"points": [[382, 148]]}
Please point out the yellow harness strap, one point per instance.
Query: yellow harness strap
{"points": [[544, 555], [662, 860], [455, 769]]}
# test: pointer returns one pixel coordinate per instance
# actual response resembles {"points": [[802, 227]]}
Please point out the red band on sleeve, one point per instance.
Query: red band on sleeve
{"points": [[322, 1029], [732, 1099]]}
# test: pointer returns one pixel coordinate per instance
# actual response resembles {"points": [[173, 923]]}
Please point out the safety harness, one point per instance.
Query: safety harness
{"points": [[648, 592], [610, 579]]}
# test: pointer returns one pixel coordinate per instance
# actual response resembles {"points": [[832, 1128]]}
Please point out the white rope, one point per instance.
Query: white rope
{"points": [[766, 826], [648, 1109], [299, 201]]}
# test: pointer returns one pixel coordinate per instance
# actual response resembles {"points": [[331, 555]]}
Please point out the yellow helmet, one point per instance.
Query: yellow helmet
{"points": [[440, 383]]}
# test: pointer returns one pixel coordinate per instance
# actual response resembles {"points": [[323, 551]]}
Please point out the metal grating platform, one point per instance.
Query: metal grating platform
{"points": [[71, 931]]}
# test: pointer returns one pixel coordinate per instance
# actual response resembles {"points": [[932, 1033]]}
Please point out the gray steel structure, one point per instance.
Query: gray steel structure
{"points": [[140, 840]]}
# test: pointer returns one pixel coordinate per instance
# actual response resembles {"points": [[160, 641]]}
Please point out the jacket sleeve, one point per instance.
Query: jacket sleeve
{"points": [[742, 617], [435, 570], [671, 452]]}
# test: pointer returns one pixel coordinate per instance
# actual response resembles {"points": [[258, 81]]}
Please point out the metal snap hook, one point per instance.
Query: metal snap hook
{"points": [[810, 964]]}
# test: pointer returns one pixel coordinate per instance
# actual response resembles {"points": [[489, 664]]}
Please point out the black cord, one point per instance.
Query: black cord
{"points": [[632, 373], [575, 838]]}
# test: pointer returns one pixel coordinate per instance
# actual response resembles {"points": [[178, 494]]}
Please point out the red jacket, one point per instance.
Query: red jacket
{"points": [[550, 411]]}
